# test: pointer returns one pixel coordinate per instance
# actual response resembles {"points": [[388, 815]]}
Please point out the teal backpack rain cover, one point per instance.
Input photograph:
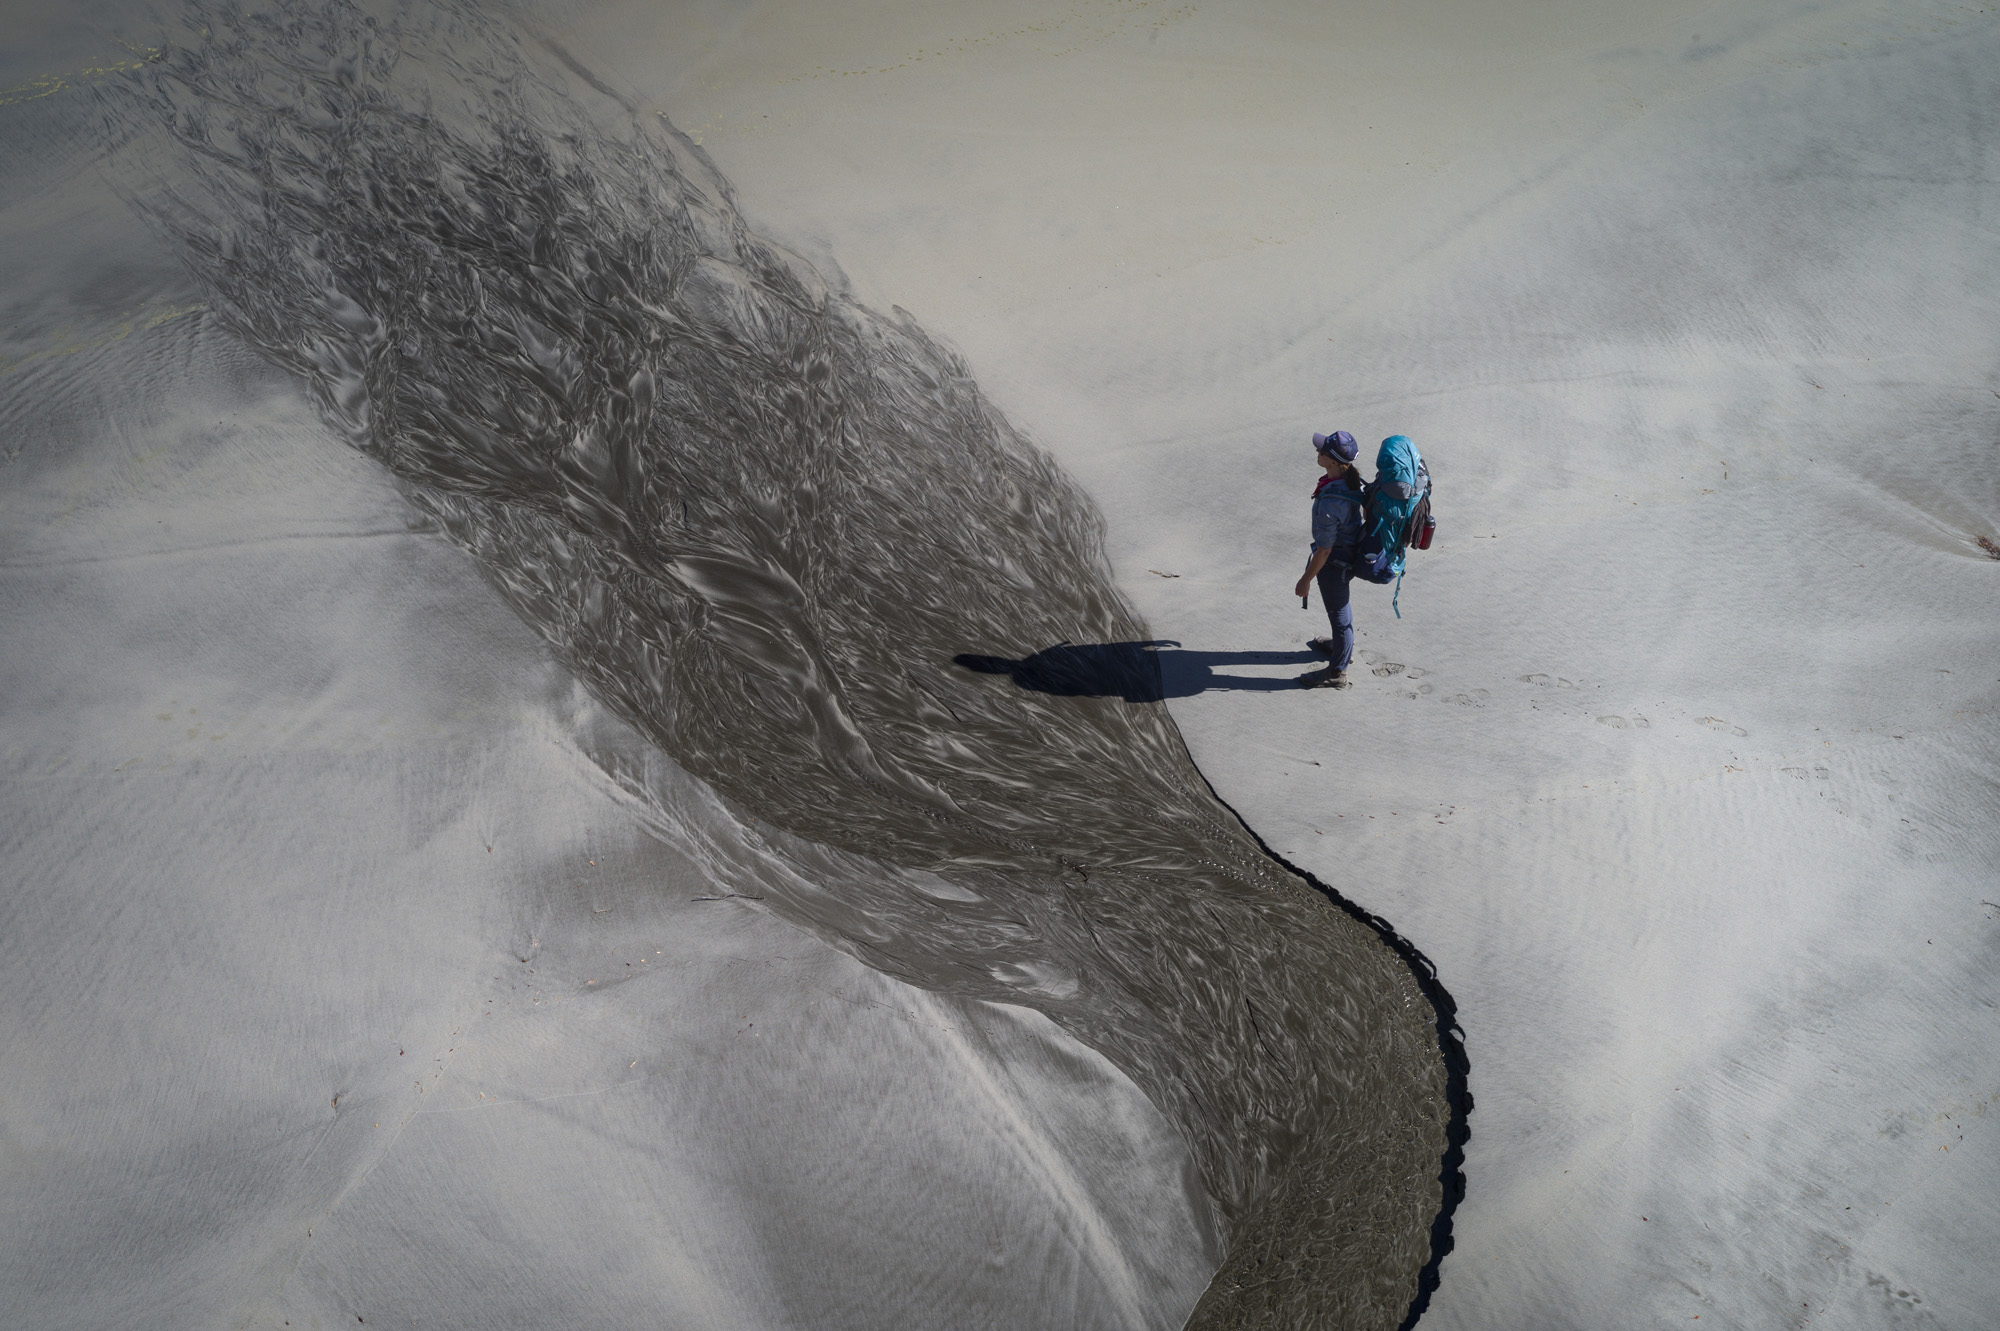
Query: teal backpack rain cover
{"points": [[1402, 482]]}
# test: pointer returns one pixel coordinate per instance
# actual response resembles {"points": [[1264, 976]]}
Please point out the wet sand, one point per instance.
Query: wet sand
{"points": [[762, 523], [763, 526]]}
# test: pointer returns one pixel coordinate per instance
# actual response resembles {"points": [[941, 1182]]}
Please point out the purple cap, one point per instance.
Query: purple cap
{"points": [[1340, 443]]}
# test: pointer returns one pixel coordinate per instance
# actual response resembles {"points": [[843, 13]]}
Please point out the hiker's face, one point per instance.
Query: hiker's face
{"points": [[1329, 464]]}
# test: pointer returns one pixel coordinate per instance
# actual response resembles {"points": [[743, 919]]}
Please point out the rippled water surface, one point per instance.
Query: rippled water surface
{"points": [[763, 523]]}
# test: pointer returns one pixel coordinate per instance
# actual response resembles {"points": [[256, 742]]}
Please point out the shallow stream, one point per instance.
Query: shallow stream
{"points": [[762, 523]]}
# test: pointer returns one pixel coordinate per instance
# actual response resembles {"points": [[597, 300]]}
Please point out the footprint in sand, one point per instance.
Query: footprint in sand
{"points": [[1390, 669], [1632, 722], [1717, 723], [1548, 681], [1471, 698]]}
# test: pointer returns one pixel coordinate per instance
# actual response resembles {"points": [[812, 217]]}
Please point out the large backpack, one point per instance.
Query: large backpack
{"points": [[1399, 514]]}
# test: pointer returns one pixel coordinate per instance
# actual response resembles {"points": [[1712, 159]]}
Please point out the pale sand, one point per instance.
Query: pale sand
{"points": [[1587, 259], [1693, 310]]}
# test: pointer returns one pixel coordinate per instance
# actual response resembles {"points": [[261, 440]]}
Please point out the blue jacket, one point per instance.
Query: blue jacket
{"points": [[1337, 518]]}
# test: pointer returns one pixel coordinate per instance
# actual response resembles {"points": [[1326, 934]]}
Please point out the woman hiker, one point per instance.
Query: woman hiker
{"points": [[1338, 506]]}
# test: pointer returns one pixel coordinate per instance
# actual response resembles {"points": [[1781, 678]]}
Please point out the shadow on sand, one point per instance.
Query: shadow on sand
{"points": [[1139, 671]]}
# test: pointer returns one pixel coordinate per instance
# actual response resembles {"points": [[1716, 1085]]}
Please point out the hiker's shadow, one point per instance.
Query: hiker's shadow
{"points": [[1137, 671]]}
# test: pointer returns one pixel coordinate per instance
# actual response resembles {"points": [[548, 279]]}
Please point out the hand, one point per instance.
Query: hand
{"points": [[1305, 585]]}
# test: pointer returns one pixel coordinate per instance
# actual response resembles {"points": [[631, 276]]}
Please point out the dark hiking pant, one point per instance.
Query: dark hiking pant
{"points": [[1333, 587]]}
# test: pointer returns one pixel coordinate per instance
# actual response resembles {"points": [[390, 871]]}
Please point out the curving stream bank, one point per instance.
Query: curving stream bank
{"points": [[761, 522]]}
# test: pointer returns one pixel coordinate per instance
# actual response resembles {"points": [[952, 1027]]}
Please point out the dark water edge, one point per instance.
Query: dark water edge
{"points": [[763, 524], [1451, 1047]]}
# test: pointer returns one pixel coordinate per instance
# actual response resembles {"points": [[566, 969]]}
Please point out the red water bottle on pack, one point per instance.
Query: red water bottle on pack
{"points": [[1422, 525]]}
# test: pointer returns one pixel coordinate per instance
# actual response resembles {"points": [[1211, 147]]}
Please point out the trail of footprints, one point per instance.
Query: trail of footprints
{"points": [[1407, 685], [1630, 720], [1407, 677]]}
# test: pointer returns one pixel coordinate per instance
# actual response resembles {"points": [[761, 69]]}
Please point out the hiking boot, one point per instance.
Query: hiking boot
{"points": [[1324, 646], [1328, 678]]}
